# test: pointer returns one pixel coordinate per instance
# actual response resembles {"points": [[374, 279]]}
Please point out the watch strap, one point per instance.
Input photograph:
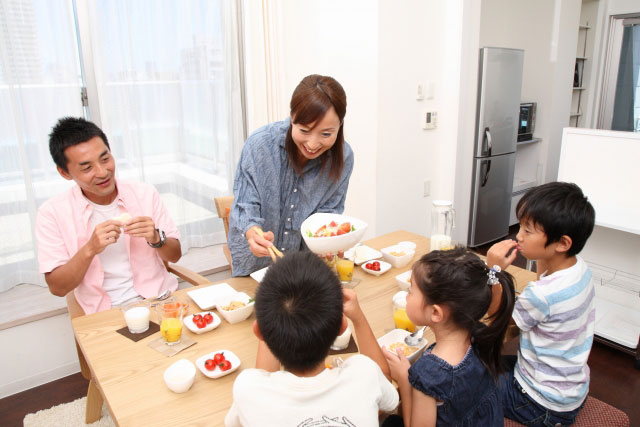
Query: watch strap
{"points": [[163, 239]]}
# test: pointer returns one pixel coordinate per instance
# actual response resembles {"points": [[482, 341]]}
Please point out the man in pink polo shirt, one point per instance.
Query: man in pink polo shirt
{"points": [[86, 242]]}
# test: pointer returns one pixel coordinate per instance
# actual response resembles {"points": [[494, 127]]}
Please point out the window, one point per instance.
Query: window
{"points": [[162, 82]]}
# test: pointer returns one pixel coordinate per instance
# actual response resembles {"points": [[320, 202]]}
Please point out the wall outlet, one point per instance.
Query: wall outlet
{"points": [[427, 189]]}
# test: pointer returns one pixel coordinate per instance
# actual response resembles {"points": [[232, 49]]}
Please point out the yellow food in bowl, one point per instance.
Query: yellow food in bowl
{"points": [[397, 253], [233, 305], [407, 350]]}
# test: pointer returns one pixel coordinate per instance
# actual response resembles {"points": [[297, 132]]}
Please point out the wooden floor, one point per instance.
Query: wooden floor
{"points": [[614, 380]]}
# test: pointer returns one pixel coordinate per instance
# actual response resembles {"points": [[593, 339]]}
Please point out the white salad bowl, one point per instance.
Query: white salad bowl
{"points": [[333, 244]]}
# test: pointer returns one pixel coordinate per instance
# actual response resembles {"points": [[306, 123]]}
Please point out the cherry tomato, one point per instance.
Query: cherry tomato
{"points": [[218, 358], [201, 324], [210, 365], [208, 318], [225, 365], [196, 317], [369, 266]]}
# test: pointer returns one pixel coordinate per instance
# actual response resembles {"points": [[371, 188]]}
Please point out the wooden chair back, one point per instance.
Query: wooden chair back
{"points": [[223, 206]]}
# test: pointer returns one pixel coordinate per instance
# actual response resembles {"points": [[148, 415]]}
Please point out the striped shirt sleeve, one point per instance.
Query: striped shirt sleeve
{"points": [[530, 308]]}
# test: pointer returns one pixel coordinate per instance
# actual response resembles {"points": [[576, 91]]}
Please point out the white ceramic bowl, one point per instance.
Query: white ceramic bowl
{"points": [[402, 280], [384, 267], [239, 314], [409, 245], [180, 375], [188, 322], [398, 256], [217, 373], [324, 245], [397, 336]]}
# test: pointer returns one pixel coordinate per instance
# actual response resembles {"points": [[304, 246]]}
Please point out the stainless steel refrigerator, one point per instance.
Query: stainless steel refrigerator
{"points": [[499, 87]]}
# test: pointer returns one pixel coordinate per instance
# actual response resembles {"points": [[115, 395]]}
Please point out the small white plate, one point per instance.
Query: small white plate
{"points": [[384, 267], [364, 253], [188, 322], [217, 373], [397, 336], [259, 275], [207, 297], [402, 280]]}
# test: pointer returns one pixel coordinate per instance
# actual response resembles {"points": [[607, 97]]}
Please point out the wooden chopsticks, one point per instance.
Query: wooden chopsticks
{"points": [[273, 251]]}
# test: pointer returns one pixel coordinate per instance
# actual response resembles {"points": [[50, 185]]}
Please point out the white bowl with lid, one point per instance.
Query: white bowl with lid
{"points": [[180, 375]]}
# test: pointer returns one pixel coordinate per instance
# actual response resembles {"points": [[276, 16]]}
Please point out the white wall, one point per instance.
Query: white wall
{"points": [[548, 77], [36, 353], [419, 41], [340, 39]]}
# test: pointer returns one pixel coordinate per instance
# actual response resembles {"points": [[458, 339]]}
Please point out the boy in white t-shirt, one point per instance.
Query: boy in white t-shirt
{"points": [[548, 382], [299, 310]]}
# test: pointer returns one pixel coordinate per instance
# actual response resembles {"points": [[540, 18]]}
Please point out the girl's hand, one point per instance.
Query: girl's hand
{"points": [[398, 364], [259, 245], [499, 254]]}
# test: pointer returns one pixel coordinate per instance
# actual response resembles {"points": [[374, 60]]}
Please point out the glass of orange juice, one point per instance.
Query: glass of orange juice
{"points": [[344, 267], [400, 317], [170, 316]]}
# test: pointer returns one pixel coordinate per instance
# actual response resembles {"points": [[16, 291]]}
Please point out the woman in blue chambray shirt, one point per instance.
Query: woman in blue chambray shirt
{"points": [[289, 170]]}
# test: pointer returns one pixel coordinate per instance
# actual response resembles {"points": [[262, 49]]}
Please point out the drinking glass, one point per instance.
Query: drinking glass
{"points": [[136, 314], [400, 317], [344, 267], [170, 316]]}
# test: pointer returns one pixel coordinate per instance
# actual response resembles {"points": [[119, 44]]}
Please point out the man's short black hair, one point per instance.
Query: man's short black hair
{"points": [[70, 131], [299, 310], [559, 208]]}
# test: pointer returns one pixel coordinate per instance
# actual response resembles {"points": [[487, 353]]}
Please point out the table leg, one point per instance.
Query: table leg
{"points": [[94, 403]]}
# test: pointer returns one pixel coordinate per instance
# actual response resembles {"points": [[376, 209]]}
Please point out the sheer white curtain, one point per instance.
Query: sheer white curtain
{"points": [[266, 102], [169, 96], [40, 82], [168, 86]]}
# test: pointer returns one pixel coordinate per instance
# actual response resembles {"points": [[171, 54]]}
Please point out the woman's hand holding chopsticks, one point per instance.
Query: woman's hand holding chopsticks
{"points": [[261, 243]]}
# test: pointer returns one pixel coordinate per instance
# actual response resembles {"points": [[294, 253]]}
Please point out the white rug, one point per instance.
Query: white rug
{"points": [[67, 415]]}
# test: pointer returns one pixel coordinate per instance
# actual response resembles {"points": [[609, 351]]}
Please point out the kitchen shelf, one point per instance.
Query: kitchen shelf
{"points": [[579, 88], [530, 141], [617, 296]]}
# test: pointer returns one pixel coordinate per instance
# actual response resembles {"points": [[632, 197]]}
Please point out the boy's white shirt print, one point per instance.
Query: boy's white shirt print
{"points": [[327, 422]]}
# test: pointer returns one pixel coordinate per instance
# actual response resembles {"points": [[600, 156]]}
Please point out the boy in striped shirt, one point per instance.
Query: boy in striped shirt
{"points": [[548, 382]]}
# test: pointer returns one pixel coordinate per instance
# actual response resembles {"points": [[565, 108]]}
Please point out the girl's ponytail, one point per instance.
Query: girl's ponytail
{"points": [[488, 338]]}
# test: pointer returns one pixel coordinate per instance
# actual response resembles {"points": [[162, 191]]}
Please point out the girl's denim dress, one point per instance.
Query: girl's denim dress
{"points": [[467, 395]]}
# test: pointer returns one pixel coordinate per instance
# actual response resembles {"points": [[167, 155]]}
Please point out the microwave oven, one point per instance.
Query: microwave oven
{"points": [[527, 121]]}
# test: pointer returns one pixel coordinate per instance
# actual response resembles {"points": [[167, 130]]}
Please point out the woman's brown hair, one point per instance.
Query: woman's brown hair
{"points": [[312, 98]]}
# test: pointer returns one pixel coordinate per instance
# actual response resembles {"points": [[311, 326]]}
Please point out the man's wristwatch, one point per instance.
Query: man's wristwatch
{"points": [[163, 240]]}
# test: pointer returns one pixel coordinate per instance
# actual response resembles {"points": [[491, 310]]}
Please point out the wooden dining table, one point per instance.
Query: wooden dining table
{"points": [[129, 374]]}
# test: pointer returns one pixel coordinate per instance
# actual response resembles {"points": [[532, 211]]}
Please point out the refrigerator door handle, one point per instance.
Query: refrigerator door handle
{"points": [[487, 136], [486, 173]]}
